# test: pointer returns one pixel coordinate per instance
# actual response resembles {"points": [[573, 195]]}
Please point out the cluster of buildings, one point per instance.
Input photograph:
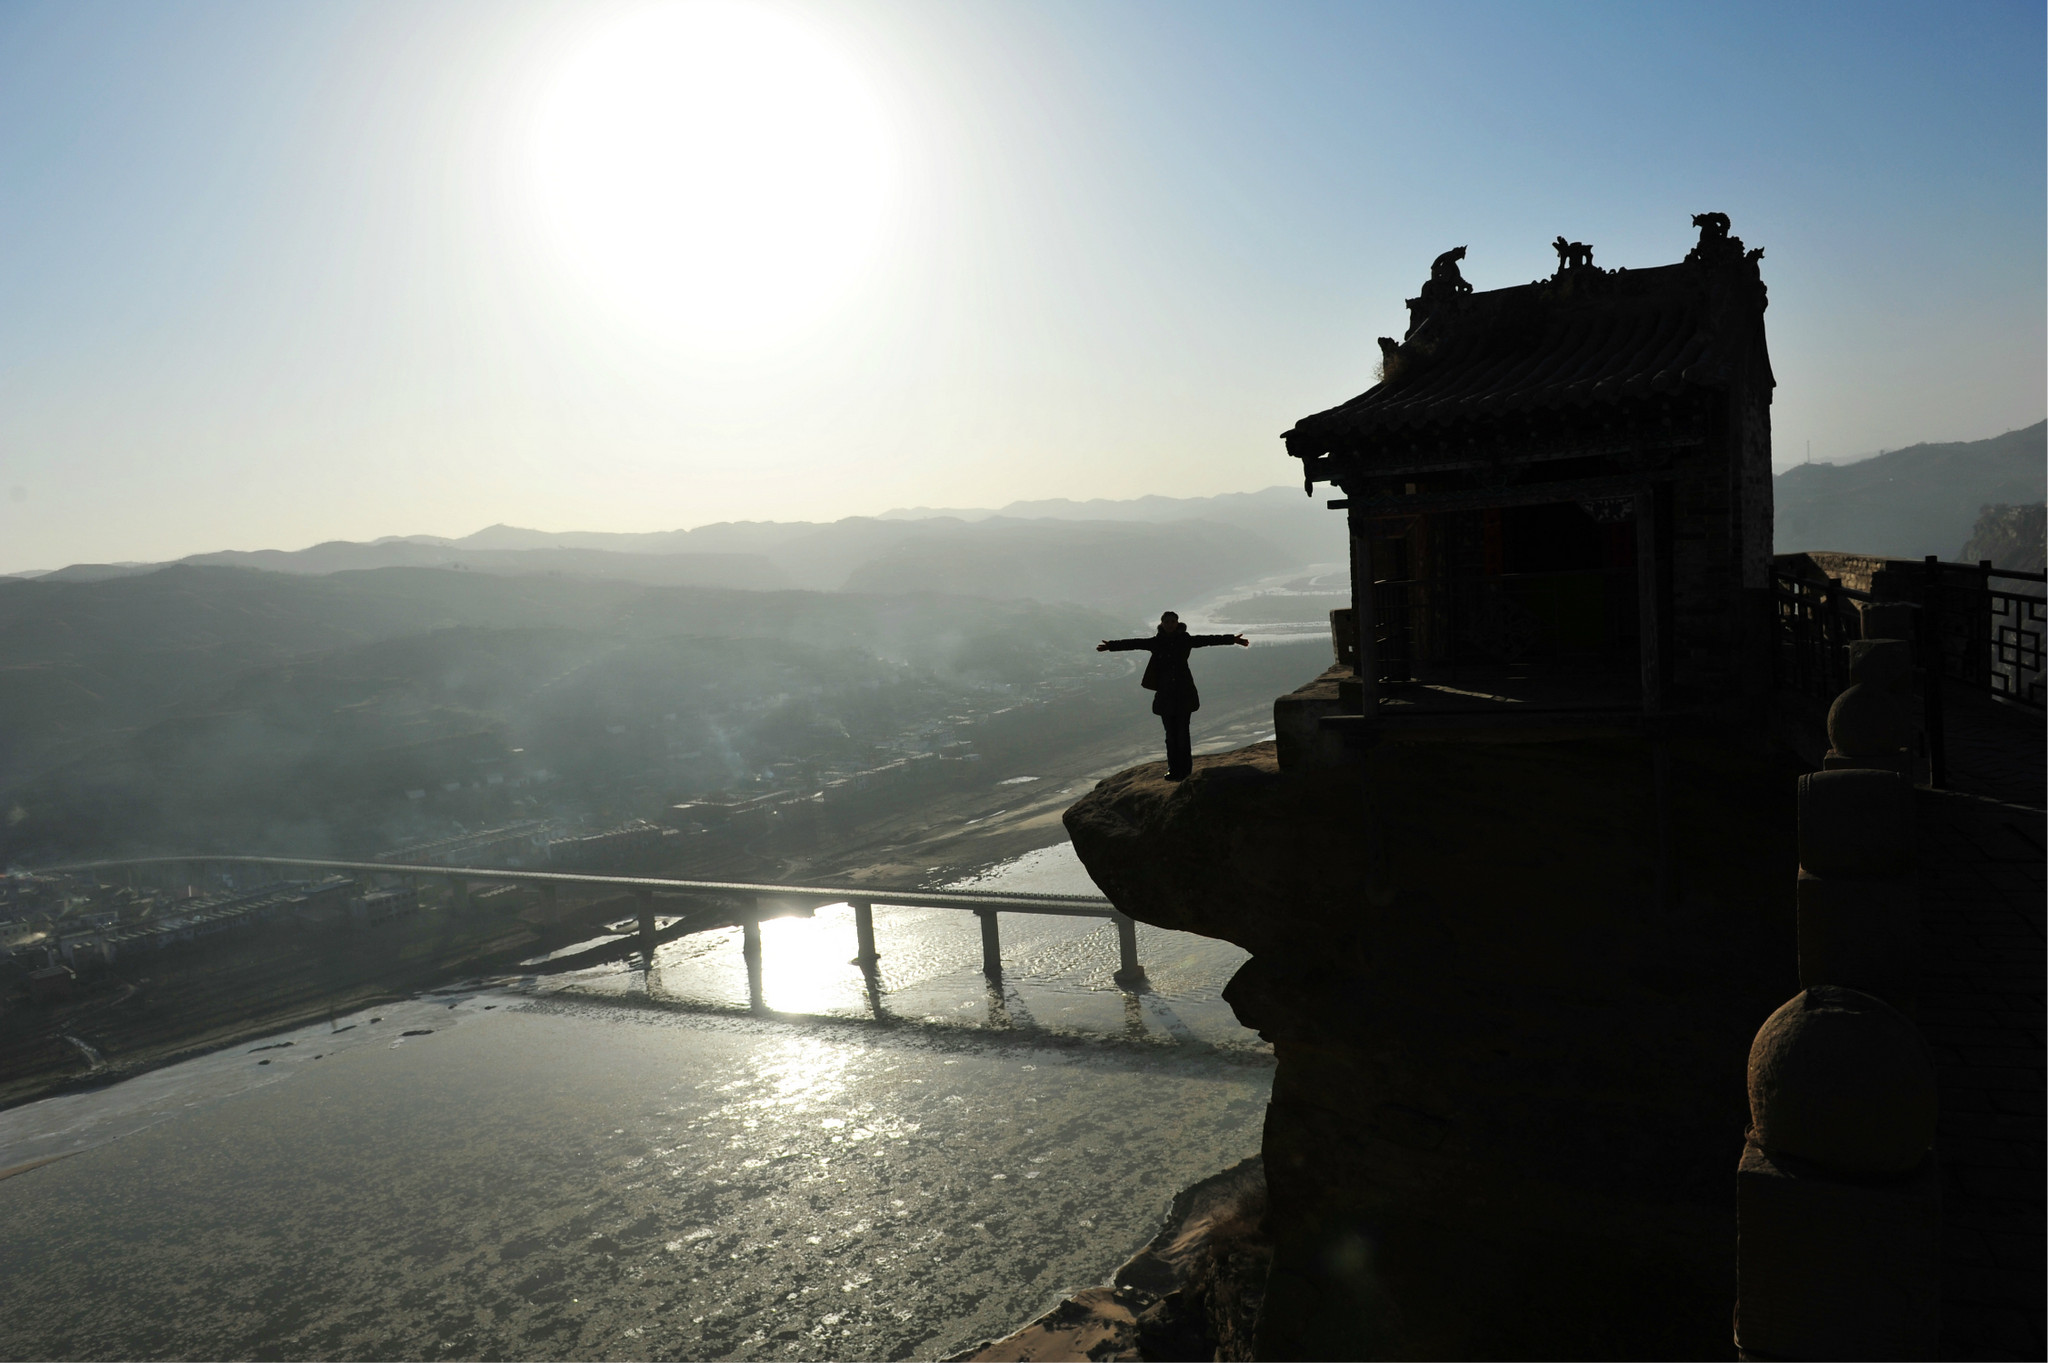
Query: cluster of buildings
{"points": [[52, 928]]}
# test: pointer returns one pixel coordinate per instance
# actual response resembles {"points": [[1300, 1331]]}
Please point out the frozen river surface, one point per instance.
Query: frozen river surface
{"points": [[628, 1163]]}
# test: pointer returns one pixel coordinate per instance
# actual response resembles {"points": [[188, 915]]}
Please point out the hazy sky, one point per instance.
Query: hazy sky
{"points": [[278, 273]]}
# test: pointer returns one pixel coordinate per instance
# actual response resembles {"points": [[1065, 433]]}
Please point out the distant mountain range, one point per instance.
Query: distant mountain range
{"points": [[1140, 552], [1162, 550], [1913, 502]]}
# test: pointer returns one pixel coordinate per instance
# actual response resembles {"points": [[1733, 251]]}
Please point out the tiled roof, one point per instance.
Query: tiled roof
{"points": [[1585, 338]]}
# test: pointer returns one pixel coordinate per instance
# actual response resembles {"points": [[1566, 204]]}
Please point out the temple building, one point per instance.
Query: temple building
{"points": [[1559, 493]]}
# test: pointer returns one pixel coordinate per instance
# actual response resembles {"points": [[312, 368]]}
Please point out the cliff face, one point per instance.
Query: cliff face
{"points": [[1510, 1099]]}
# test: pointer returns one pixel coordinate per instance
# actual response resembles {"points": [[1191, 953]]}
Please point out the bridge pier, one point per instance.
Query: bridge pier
{"points": [[864, 933], [646, 898], [1129, 974], [750, 946], [991, 944]]}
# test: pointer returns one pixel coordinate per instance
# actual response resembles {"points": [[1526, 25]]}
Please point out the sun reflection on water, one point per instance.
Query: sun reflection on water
{"points": [[808, 963]]}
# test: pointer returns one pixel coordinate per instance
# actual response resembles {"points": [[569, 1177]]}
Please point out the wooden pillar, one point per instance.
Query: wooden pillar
{"points": [[1129, 974], [1934, 715], [458, 892], [864, 933], [1378, 883], [1362, 610], [1650, 657], [1649, 644], [991, 944]]}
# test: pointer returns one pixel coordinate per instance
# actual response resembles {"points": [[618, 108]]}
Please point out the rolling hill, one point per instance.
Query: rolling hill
{"points": [[1909, 503]]}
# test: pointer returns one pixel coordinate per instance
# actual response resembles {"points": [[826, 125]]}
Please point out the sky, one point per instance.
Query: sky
{"points": [[278, 274]]}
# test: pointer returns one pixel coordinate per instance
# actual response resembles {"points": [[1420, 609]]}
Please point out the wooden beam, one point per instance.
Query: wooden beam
{"points": [[1487, 499]]}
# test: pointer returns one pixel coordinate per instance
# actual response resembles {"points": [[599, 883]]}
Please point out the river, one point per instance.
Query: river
{"points": [[629, 1163]]}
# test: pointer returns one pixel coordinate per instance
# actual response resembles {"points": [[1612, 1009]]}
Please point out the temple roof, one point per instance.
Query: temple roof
{"points": [[1584, 338]]}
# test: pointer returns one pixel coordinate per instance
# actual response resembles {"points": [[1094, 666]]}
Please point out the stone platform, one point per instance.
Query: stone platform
{"points": [[1982, 887]]}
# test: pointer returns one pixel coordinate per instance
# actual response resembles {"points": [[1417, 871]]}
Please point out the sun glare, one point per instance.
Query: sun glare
{"points": [[716, 171]]}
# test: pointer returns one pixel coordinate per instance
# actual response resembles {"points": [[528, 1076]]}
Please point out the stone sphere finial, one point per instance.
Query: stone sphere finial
{"points": [[1869, 720], [1840, 1078]]}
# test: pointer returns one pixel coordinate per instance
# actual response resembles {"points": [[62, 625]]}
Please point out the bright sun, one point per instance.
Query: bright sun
{"points": [[715, 170]]}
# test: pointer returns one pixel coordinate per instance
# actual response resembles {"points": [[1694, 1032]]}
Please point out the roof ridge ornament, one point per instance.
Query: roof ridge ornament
{"points": [[1440, 294], [1716, 246], [1572, 255], [1445, 282]]}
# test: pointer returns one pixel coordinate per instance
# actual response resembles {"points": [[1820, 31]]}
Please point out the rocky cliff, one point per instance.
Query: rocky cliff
{"points": [[1510, 1092]]}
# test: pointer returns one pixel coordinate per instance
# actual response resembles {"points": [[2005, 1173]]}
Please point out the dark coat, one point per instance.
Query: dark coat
{"points": [[1167, 676]]}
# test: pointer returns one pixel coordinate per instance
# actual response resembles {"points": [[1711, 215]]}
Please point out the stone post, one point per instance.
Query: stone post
{"points": [[1871, 723], [1838, 1203], [1344, 637], [1859, 908], [1838, 1196]]}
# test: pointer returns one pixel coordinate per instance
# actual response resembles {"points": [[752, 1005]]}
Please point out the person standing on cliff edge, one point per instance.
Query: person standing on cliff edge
{"points": [[1172, 685]]}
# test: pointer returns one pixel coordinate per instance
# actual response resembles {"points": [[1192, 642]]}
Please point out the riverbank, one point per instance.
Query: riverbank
{"points": [[1194, 1292]]}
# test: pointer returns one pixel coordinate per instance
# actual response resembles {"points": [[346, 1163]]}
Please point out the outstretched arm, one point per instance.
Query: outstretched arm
{"points": [[1123, 645], [1211, 640]]}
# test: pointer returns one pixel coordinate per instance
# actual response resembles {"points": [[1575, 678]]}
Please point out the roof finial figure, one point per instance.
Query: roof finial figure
{"points": [[1572, 254], [1443, 286], [1443, 274], [1715, 244]]}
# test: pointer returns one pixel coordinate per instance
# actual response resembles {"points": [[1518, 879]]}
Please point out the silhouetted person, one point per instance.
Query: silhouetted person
{"points": [[1172, 685]]}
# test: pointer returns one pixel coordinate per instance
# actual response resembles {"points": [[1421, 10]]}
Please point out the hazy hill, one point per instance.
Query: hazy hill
{"points": [[201, 702], [666, 569], [1142, 568], [1909, 503], [2014, 537], [82, 660], [1301, 524], [1055, 550]]}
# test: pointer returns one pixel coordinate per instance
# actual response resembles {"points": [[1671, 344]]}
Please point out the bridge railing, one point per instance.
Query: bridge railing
{"points": [[760, 901]]}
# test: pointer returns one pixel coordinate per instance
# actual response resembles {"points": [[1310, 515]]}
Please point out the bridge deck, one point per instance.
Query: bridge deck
{"points": [[1084, 906]]}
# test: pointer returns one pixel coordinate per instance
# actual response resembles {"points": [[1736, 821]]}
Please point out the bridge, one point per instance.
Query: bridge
{"points": [[756, 903]]}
